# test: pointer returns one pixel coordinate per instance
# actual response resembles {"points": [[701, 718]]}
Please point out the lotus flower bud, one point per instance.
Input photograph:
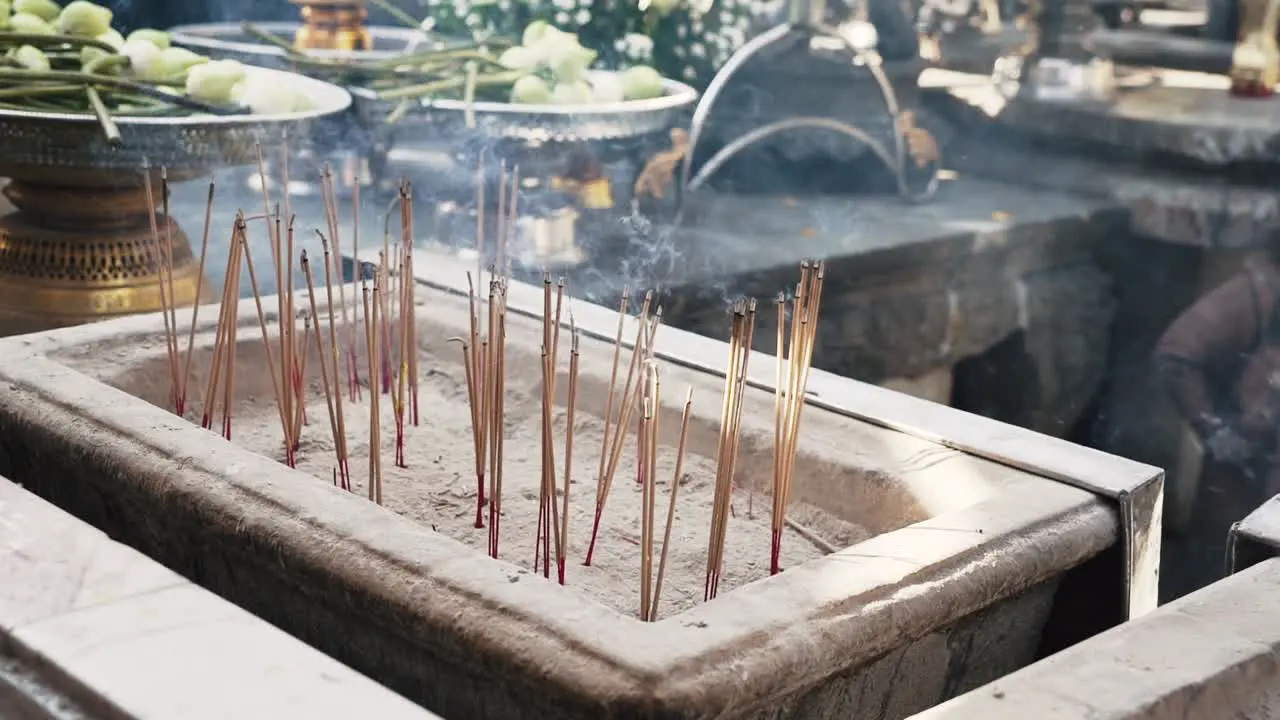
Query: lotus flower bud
{"points": [[46, 10], [5, 9], [84, 18], [606, 87], [144, 60], [178, 60], [533, 32], [264, 95], [641, 83], [569, 60], [518, 58], [31, 58], [577, 92], [30, 24], [155, 37], [93, 54], [531, 90], [212, 82]]}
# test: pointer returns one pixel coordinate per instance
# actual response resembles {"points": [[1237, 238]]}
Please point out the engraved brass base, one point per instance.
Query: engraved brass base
{"points": [[83, 254], [333, 25]]}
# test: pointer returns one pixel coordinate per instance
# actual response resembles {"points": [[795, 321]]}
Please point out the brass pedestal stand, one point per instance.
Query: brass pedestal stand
{"points": [[80, 249], [333, 25]]}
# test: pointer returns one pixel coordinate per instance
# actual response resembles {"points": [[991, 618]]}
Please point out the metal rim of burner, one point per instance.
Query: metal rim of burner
{"points": [[805, 22]]}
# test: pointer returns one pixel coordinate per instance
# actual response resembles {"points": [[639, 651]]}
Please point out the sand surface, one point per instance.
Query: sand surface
{"points": [[438, 488]]}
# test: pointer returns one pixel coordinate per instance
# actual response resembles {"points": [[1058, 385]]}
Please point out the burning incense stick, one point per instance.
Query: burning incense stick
{"points": [[790, 399], [671, 503], [562, 557], [474, 364], [195, 308], [740, 336], [215, 365], [159, 260], [324, 369], [495, 383], [648, 451], [340, 431], [372, 326], [232, 345], [242, 241], [644, 333], [407, 285]]}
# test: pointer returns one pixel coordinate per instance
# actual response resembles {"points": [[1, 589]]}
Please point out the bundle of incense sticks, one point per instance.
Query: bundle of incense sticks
{"points": [[796, 357], [484, 358], [735, 380], [162, 261], [548, 512], [222, 367], [641, 351], [494, 384], [240, 243], [406, 368], [162, 264]]}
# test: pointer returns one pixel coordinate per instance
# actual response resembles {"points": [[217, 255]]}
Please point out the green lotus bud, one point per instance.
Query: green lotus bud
{"points": [[112, 38], [29, 24], [31, 58], [577, 92], [84, 18], [569, 61], [46, 10], [518, 58], [5, 10], [534, 31], [155, 37], [212, 82], [641, 83], [264, 95], [606, 87], [531, 90], [178, 60]]}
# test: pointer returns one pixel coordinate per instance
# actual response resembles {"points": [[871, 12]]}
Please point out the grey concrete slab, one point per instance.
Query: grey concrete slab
{"points": [[90, 626], [1212, 655]]}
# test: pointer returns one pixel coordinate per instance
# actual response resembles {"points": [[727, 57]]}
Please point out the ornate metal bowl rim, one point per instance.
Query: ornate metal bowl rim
{"points": [[675, 96], [328, 99], [202, 36]]}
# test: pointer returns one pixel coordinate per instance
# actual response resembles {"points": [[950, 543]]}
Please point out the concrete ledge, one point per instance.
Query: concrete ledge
{"points": [[1212, 654], [92, 629], [1256, 538]]}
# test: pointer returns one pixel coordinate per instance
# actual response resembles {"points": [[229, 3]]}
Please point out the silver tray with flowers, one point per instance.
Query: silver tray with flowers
{"points": [[76, 95], [540, 91]]}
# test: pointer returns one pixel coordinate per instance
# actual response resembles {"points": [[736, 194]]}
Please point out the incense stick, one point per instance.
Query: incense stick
{"points": [[344, 471], [243, 242], [158, 262], [562, 556], [671, 503], [790, 400], [215, 365], [740, 337], [625, 409], [195, 308], [324, 367]]}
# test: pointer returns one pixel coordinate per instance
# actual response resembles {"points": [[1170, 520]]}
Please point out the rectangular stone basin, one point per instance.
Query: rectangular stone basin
{"points": [[953, 569], [93, 630], [1210, 654]]}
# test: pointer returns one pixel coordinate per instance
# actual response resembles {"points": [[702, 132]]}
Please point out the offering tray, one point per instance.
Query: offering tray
{"points": [[538, 124], [80, 247]]}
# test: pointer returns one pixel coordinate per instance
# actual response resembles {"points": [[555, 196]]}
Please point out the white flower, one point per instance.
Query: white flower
{"points": [[690, 73], [582, 17], [636, 46], [562, 18]]}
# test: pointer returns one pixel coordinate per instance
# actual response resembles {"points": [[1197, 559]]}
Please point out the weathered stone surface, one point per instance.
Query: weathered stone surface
{"points": [[438, 623], [92, 629], [1212, 654]]}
